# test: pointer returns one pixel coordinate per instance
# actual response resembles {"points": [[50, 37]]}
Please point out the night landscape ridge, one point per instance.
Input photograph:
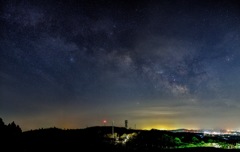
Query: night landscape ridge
{"points": [[113, 138]]}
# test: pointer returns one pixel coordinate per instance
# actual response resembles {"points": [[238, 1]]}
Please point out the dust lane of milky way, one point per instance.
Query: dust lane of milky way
{"points": [[158, 64]]}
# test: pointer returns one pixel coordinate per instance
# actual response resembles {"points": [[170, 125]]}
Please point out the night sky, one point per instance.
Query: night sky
{"points": [[163, 64]]}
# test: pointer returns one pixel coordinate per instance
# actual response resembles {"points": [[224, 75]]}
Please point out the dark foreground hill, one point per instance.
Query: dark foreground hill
{"points": [[109, 139], [123, 140]]}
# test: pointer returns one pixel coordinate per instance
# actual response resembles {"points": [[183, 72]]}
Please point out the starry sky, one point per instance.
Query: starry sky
{"points": [[163, 64]]}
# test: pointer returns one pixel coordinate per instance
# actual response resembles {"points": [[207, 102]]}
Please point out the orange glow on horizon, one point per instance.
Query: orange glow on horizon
{"points": [[167, 127]]}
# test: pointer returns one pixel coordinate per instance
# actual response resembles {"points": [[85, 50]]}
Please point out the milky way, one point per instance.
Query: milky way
{"points": [[158, 64]]}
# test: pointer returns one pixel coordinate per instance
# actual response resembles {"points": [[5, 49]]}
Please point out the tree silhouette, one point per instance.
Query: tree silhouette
{"points": [[1, 122], [14, 129]]}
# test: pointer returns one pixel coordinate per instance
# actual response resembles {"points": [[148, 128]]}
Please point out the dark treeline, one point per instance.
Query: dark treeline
{"points": [[100, 138], [10, 135]]}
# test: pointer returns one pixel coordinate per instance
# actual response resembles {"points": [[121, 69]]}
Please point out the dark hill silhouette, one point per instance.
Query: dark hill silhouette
{"points": [[100, 138]]}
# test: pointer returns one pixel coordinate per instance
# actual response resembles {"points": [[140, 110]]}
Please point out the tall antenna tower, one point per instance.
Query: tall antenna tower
{"points": [[126, 124]]}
